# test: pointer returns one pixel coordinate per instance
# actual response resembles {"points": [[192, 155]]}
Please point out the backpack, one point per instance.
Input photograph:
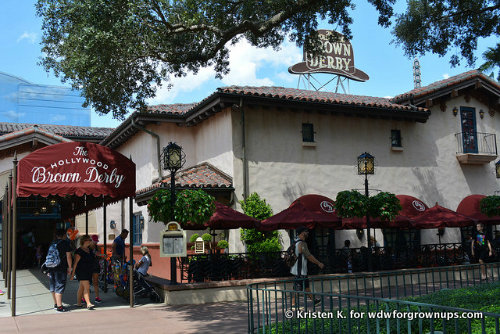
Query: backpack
{"points": [[53, 259], [290, 257]]}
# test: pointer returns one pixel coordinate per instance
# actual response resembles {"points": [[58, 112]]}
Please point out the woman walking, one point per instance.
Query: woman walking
{"points": [[84, 263], [96, 269]]}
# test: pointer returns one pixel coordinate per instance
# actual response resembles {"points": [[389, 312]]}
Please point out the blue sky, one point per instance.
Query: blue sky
{"points": [[389, 69]]}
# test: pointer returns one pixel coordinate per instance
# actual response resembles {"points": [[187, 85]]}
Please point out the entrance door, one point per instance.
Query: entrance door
{"points": [[469, 134]]}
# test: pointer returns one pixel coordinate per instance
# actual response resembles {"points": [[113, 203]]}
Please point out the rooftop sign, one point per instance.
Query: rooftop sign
{"points": [[335, 57]]}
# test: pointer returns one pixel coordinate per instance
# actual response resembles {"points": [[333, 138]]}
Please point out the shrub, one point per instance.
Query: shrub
{"points": [[256, 241], [193, 237], [206, 237]]}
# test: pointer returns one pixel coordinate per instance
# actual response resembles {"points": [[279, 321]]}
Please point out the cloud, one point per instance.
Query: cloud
{"points": [[12, 115], [446, 76], [249, 66], [30, 36]]}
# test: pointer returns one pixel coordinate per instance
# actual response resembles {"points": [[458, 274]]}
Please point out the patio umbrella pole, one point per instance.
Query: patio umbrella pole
{"points": [[14, 223]]}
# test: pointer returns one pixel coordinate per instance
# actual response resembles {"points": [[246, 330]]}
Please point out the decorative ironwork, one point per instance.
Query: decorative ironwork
{"points": [[476, 142]]}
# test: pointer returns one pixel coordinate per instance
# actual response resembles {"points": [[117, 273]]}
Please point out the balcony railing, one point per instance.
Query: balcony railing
{"points": [[476, 147]]}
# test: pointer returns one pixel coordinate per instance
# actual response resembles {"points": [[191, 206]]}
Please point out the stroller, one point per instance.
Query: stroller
{"points": [[141, 287]]}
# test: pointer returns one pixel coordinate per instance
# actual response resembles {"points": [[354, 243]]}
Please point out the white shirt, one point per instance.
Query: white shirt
{"points": [[303, 271], [143, 269]]}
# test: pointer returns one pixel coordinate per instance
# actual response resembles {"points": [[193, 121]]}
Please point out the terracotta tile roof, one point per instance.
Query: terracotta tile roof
{"points": [[67, 131], [30, 130], [203, 175], [439, 85], [292, 94], [171, 109]]}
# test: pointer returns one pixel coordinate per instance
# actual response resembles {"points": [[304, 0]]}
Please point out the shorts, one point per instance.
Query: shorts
{"points": [[57, 281], [482, 254], [300, 283]]}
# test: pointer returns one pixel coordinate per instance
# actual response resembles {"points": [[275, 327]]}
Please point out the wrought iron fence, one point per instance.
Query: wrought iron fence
{"points": [[219, 267], [370, 303], [476, 142]]}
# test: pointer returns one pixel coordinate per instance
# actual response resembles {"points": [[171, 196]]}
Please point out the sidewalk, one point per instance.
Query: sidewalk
{"points": [[35, 313]]}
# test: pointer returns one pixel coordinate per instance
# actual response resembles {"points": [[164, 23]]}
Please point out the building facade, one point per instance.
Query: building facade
{"points": [[436, 143]]}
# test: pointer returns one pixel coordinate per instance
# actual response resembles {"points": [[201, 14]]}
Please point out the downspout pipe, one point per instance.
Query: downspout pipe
{"points": [[244, 150], [158, 150]]}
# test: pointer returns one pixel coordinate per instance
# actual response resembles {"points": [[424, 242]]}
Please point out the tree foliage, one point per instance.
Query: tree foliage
{"points": [[452, 26], [256, 241], [118, 51]]}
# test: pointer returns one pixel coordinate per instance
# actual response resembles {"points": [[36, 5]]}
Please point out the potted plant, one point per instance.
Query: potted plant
{"points": [[222, 245], [207, 238]]}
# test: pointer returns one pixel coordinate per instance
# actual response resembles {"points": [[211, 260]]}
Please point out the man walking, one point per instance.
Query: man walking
{"points": [[58, 274], [299, 269]]}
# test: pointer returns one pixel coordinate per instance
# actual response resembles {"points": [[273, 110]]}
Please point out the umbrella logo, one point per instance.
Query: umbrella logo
{"points": [[327, 206], [418, 205]]}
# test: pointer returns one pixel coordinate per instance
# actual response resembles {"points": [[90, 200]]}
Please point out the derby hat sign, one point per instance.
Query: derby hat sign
{"points": [[336, 56]]}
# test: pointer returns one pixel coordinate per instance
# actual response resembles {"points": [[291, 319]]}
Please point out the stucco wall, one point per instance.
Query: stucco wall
{"points": [[209, 141]]}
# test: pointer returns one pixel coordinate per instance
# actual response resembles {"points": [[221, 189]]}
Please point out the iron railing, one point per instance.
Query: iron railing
{"points": [[476, 142], [220, 267], [371, 303]]}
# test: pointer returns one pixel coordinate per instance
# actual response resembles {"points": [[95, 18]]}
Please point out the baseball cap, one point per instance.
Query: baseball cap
{"points": [[95, 238]]}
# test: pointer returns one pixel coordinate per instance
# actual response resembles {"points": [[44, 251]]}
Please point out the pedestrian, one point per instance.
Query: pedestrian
{"points": [[58, 274], [299, 269], [481, 248], [84, 262], [96, 268], [143, 265], [346, 255], [118, 246]]}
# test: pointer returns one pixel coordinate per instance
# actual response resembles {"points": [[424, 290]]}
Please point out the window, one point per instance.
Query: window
{"points": [[307, 132], [138, 221], [396, 138]]}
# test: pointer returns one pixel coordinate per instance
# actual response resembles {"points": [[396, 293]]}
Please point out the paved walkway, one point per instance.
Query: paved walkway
{"points": [[34, 307]]}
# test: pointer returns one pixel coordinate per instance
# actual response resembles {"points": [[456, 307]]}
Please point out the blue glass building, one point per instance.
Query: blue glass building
{"points": [[25, 102]]}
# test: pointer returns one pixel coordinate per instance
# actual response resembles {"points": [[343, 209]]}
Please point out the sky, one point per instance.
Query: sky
{"points": [[390, 71]]}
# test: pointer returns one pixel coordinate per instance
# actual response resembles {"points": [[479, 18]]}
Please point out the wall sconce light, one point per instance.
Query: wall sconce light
{"points": [[359, 233], [52, 202], [481, 113], [440, 231], [112, 224], [43, 209], [141, 222], [455, 111]]}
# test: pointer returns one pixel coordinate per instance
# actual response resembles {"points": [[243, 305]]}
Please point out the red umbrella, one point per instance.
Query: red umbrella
{"points": [[308, 210], [226, 218], [470, 206], [439, 217]]}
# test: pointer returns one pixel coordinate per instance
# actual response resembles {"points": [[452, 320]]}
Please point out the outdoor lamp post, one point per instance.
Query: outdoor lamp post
{"points": [[497, 169], [173, 160], [366, 165]]}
